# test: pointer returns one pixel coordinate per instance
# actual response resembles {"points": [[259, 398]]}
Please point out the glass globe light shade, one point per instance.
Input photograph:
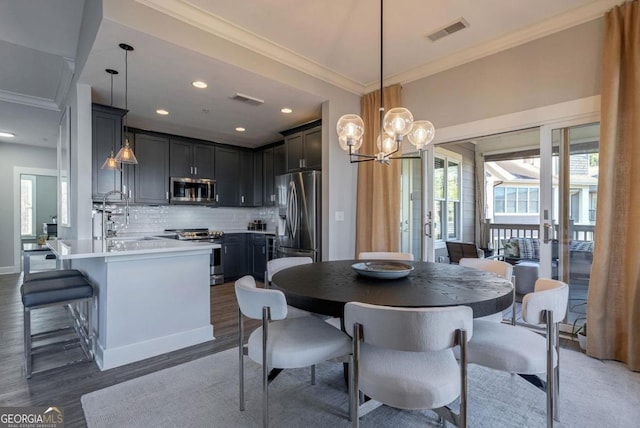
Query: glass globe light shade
{"points": [[344, 145], [398, 122], [387, 145], [350, 129], [421, 134]]}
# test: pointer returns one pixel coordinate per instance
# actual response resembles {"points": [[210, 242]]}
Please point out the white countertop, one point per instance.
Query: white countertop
{"points": [[66, 249]]}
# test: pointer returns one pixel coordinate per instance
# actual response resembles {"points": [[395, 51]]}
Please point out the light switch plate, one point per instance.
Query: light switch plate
{"points": [[339, 215]]}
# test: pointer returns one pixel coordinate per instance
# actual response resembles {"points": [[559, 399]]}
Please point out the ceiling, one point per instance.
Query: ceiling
{"points": [[336, 41]]}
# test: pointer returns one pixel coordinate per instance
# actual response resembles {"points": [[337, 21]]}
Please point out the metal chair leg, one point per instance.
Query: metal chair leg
{"points": [[550, 369], [241, 357], [556, 373], [265, 369], [27, 342]]}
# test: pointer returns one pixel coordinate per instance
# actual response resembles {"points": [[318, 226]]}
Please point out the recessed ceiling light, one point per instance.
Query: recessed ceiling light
{"points": [[199, 84], [162, 112], [240, 129], [286, 110], [7, 134]]}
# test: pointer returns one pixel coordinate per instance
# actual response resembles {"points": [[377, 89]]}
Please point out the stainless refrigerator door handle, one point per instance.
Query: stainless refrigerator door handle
{"points": [[295, 208], [288, 220]]}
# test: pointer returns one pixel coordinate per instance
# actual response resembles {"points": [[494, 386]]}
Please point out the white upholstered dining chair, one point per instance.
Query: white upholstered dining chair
{"points": [[384, 255], [403, 357], [498, 267], [276, 265], [519, 350], [281, 342]]}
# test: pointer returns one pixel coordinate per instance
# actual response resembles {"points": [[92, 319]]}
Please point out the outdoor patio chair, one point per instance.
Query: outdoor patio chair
{"points": [[459, 250], [409, 368]]}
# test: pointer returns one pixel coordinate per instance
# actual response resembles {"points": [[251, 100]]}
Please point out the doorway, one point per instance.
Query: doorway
{"points": [[35, 204]]}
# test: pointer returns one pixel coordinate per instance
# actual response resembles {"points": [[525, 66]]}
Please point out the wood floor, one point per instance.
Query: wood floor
{"points": [[64, 386]]}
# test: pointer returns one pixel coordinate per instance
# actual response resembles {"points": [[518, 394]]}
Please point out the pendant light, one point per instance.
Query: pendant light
{"points": [[394, 126], [111, 162], [125, 155]]}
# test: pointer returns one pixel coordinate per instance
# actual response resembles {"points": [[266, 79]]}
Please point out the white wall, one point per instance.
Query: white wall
{"points": [[561, 67], [23, 157]]}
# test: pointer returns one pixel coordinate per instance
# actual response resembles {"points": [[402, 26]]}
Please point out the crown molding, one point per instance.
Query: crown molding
{"points": [[581, 15], [66, 75], [198, 17], [27, 100]]}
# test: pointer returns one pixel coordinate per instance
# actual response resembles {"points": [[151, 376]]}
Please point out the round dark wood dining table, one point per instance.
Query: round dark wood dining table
{"points": [[325, 287]]}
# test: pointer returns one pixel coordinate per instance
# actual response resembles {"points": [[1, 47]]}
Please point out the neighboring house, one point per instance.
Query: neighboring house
{"points": [[513, 191]]}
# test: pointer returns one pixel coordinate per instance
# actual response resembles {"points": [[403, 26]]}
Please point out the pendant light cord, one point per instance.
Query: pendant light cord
{"points": [[381, 72], [126, 90]]}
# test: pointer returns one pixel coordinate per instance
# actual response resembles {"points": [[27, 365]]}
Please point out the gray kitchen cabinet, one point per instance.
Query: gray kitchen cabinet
{"points": [[151, 174], [258, 254], [234, 255], [227, 175], [279, 160], [106, 125], [273, 165], [268, 180], [191, 159], [247, 178], [304, 148]]}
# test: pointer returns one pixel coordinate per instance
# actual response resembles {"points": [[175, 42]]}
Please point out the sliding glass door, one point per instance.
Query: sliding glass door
{"points": [[572, 195]]}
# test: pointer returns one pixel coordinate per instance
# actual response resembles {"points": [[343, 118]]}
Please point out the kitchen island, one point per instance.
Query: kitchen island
{"points": [[152, 294]]}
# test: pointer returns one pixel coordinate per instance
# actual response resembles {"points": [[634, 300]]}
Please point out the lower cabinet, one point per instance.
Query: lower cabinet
{"points": [[234, 256], [244, 254], [258, 249]]}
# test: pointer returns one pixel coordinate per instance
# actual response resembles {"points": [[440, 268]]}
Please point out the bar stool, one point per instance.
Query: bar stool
{"points": [[69, 288]]}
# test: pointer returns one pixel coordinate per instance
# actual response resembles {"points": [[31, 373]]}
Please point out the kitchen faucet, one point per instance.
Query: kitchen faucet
{"points": [[105, 215]]}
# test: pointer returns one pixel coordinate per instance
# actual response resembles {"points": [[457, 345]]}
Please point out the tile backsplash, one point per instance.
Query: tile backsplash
{"points": [[149, 220]]}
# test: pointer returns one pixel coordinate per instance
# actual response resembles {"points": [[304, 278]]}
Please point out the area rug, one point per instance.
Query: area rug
{"points": [[204, 393]]}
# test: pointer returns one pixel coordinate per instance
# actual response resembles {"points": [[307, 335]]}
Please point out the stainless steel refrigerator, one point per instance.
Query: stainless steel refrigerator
{"points": [[299, 202]]}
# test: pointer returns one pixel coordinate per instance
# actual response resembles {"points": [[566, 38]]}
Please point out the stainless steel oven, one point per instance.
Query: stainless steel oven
{"points": [[216, 273]]}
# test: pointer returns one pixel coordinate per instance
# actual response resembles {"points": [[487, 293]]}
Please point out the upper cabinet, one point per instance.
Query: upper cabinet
{"points": [[273, 164], [227, 175], [151, 174], [106, 125], [303, 147], [191, 159], [250, 179]]}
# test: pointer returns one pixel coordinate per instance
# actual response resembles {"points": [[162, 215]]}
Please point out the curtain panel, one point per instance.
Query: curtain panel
{"points": [[378, 206], [613, 310]]}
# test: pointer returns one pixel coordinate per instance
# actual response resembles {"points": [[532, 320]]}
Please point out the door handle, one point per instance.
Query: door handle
{"points": [[546, 228], [427, 229]]}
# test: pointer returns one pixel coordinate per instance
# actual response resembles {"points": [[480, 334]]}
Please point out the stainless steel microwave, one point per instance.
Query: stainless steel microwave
{"points": [[196, 191]]}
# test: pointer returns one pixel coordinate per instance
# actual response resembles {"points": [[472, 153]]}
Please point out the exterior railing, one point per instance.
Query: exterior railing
{"points": [[497, 233]]}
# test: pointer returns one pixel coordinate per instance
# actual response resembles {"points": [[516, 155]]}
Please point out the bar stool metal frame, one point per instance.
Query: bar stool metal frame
{"points": [[82, 323]]}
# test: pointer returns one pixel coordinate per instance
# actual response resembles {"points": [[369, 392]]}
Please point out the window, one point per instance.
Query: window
{"points": [[447, 198], [516, 200], [27, 205]]}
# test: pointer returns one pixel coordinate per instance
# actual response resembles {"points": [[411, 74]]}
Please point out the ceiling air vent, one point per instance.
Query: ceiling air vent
{"points": [[247, 99], [460, 24]]}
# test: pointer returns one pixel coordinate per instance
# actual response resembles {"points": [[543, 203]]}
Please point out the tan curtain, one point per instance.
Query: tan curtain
{"points": [[613, 310], [378, 210]]}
